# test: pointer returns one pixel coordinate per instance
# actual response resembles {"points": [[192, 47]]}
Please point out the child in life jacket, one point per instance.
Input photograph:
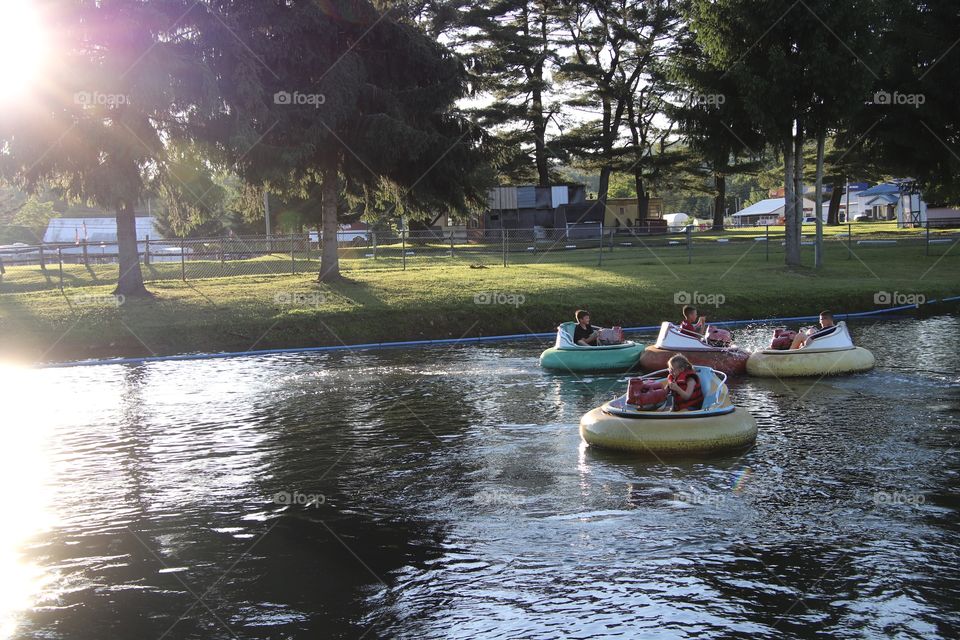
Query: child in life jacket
{"points": [[690, 324], [683, 384]]}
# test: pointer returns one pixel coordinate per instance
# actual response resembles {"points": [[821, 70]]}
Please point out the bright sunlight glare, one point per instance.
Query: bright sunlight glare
{"points": [[22, 46]]}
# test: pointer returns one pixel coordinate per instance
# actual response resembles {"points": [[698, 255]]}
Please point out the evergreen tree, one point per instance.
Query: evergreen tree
{"points": [[339, 98], [614, 70], [118, 80], [511, 46]]}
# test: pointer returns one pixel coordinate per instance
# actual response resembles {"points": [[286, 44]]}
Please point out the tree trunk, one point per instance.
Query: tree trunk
{"points": [[833, 212], [536, 106], [791, 237], [719, 203], [130, 282], [818, 198], [604, 186], [330, 193], [539, 129], [798, 177], [602, 190], [643, 198]]}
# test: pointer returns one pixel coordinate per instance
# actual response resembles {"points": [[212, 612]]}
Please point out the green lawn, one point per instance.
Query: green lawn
{"points": [[635, 286]]}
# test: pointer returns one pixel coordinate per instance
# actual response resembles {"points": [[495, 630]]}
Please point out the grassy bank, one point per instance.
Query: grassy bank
{"points": [[452, 301]]}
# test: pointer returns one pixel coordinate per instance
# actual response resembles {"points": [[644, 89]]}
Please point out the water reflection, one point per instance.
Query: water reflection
{"points": [[453, 496]]}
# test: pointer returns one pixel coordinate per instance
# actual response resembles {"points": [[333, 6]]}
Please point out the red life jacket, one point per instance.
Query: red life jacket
{"points": [[689, 329], [695, 401]]}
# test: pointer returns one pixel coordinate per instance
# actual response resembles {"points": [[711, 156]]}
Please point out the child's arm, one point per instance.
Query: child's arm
{"points": [[684, 393]]}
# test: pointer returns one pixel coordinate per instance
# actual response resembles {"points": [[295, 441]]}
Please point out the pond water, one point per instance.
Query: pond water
{"points": [[445, 492]]}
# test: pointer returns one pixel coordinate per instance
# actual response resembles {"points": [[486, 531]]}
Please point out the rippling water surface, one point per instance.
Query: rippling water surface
{"points": [[446, 493]]}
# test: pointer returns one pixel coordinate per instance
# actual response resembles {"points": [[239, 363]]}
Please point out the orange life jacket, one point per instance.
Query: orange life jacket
{"points": [[695, 401]]}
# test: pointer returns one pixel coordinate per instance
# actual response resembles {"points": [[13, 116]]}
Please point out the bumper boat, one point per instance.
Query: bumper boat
{"points": [[831, 353], [715, 350], [566, 355], [643, 422]]}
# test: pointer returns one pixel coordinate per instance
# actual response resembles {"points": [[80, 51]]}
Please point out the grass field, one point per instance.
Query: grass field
{"points": [[456, 300]]}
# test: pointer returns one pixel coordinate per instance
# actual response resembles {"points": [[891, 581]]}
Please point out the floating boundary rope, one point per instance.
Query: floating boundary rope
{"points": [[373, 346]]}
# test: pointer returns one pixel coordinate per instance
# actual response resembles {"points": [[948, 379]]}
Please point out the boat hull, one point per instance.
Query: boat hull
{"points": [[799, 362], [587, 359], [730, 361], [669, 435]]}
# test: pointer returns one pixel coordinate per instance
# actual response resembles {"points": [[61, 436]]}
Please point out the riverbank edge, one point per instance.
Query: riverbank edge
{"points": [[87, 339]]}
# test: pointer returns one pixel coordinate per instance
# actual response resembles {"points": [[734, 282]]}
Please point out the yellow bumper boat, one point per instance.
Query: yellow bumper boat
{"points": [[717, 426], [831, 354]]}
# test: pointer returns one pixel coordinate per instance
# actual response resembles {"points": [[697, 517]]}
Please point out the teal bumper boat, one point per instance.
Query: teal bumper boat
{"points": [[568, 356]]}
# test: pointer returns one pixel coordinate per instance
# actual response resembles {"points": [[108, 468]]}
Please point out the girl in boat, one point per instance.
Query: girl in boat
{"points": [[683, 384]]}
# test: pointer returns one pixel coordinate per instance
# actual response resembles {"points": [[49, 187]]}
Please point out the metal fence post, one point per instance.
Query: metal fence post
{"points": [[293, 260], [403, 247], [928, 237], [146, 250], [849, 241], [60, 260], [43, 260], [223, 251], [689, 244], [451, 243], [183, 263], [86, 256], [503, 244], [768, 243]]}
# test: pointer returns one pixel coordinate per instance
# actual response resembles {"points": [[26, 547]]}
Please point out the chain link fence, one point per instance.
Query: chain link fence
{"points": [[26, 267]]}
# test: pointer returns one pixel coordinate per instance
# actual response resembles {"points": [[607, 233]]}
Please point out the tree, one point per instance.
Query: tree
{"points": [[118, 80], [193, 198], [511, 46], [714, 120], [342, 99], [910, 124], [613, 68], [35, 215]]}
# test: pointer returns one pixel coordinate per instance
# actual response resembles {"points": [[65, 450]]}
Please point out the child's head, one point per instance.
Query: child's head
{"points": [[582, 315], [826, 319], [678, 364], [689, 313]]}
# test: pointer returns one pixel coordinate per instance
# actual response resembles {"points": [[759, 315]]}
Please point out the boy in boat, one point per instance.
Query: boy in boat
{"points": [[683, 384], [827, 326], [690, 324], [585, 334]]}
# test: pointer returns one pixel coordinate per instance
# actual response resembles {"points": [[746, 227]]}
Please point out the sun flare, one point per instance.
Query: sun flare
{"points": [[22, 47]]}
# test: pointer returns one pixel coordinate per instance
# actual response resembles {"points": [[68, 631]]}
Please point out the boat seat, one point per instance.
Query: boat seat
{"points": [[823, 333], [710, 385], [565, 335]]}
